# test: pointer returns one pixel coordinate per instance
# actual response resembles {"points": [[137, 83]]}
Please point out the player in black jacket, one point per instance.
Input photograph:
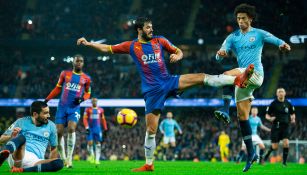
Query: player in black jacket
{"points": [[281, 114]]}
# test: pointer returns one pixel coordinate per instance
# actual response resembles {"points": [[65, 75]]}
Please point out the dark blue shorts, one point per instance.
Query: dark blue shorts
{"points": [[155, 98], [95, 134], [65, 114]]}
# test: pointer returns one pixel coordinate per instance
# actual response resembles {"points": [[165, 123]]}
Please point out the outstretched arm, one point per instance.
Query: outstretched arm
{"points": [[100, 47], [265, 128]]}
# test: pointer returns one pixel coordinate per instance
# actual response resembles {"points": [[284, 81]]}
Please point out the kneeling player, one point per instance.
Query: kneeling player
{"points": [[27, 140]]}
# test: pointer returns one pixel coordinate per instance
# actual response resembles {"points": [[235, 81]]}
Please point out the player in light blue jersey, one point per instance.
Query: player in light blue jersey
{"points": [[247, 43], [27, 139], [167, 128], [255, 122]]}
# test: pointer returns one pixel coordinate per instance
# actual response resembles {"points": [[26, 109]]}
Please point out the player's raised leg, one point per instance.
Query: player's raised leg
{"points": [[14, 145]]}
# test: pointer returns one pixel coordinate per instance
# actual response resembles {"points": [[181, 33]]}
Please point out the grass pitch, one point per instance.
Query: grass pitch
{"points": [[174, 168]]}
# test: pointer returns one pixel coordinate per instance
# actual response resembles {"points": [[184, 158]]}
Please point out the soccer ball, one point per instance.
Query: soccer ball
{"points": [[127, 118]]}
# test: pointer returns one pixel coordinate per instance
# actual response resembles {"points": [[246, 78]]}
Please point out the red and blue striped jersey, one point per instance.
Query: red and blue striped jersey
{"points": [[94, 117], [149, 59], [73, 86]]}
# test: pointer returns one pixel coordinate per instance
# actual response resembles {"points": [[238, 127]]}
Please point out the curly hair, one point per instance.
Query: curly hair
{"points": [[246, 8]]}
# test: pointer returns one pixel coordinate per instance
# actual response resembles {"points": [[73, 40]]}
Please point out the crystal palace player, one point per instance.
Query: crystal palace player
{"points": [[247, 43], [157, 83], [27, 139], [73, 84], [92, 119]]}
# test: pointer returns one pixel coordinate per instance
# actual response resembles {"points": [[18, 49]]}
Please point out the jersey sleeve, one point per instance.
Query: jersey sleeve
{"points": [[270, 38], [161, 126], [260, 122], [85, 117], [122, 48], [167, 45], [87, 89], [269, 109], [16, 124], [103, 120], [291, 108], [53, 139], [61, 79], [177, 126], [225, 46]]}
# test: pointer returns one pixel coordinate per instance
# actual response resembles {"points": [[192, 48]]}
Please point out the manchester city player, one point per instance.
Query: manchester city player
{"points": [[247, 43], [27, 139], [147, 52]]}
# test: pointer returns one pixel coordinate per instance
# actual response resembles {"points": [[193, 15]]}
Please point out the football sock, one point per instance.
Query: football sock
{"points": [[261, 152], [71, 141], [61, 148], [226, 99], [98, 152], [268, 153], [150, 146], [285, 155], [14, 143], [90, 149], [52, 166], [247, 137], [240, 155], [219, 80]]}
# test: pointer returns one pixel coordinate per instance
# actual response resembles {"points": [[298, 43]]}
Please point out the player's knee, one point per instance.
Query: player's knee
{"points": [[151, 130], [57, 164], [71, 129], [227, 73]]}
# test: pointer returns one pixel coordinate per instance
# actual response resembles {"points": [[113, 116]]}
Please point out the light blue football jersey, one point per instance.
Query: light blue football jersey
{"points": [[248, 47], [168, 126], [37, 137], [254, 122]]}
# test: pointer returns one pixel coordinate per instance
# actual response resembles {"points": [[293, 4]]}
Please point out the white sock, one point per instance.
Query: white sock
{"points": [[150, 146], [90, 149], [61, 148], [219, 80], [71, 141], [98, 152]]}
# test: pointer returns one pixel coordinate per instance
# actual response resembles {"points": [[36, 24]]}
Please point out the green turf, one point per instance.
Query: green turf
{"points": [[175, 168]]}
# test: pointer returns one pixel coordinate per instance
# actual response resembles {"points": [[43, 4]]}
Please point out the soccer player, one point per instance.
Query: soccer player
{"points": [[73, 84], [223, 142], [93, 118], [167, 128], [27, 139], [255, 122], [157, 84], [281, 113], [247, 43]]}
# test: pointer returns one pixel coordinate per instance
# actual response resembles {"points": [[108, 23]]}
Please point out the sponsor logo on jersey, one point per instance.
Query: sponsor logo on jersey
{"points": [[73, 87], [252, 39], [46, 134], [151, 58]]}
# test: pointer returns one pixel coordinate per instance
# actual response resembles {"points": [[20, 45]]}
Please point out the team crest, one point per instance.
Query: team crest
{"points": [[155, 47], [82, 81], [286, 110], [46, 134], [67, 78], [252, 39]]}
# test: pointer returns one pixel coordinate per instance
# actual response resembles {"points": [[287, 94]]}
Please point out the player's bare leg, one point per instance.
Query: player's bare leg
{"points": [[71, 141], [262, 149], [152, 121], [243, 108]]}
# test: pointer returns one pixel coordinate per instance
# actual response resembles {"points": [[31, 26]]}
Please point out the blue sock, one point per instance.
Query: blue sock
{"points": [[226, 104], [15, 143], [247, 137], [227, 91], [52, 166]]}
